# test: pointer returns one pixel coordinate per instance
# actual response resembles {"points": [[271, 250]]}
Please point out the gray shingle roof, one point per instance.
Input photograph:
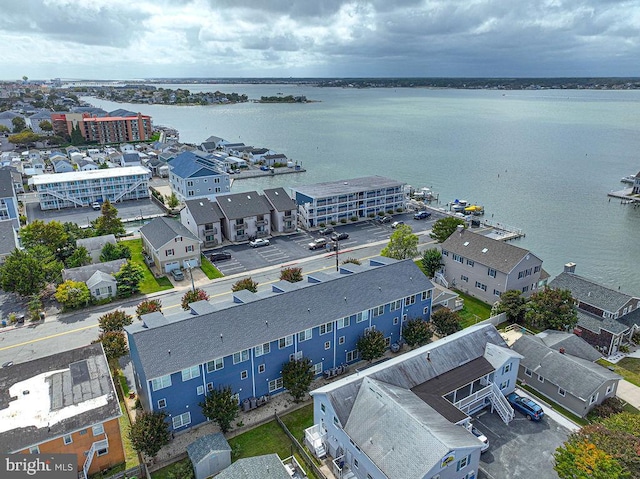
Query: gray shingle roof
{"points": [[258, 467], [196, 339], [345, 187], [6, 184], [161, 230], [95, 242], [577, 376], [75, 379], [243, 205], [279, 199], [589, 292], [204, 211], [422, 432], [492, 253], [205, 445], [83, 273], [572, 344], [596, 323], [7, 237]]}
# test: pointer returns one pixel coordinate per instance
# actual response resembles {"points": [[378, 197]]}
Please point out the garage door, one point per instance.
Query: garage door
{"points": [[168, 267], [193, 262]]}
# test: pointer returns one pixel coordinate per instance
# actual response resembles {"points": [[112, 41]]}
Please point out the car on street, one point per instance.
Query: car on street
{"points": [[317, 244], [422, 215], [256, 243], [395, 224], [326, 231], [526, 406], [177, 274], [220, 256], [339, 236], [96, 206], [483, 439]]}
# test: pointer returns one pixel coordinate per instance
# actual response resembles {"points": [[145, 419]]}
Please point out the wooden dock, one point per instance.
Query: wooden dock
{"points": [[625, 196]]}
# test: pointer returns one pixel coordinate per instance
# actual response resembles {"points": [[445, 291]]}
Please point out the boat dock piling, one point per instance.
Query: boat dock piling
{"points": [[503, 232]]}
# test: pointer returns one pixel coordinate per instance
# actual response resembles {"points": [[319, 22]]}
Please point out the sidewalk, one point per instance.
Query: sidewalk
{"points": [[629, 393]]}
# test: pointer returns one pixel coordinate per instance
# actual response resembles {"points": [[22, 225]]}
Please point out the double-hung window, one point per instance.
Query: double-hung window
{"points": [[305, 335], [190, 373], [285, 342], [241, 356], [262, 349], [214, 365], [343, 323], [326, 328], [161, 382], [379, 311]]}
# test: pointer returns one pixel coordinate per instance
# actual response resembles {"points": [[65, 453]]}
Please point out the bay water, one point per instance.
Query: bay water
{"points": [[539, 160]]}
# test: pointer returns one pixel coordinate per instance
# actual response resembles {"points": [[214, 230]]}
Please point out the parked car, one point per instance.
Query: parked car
{"points": [[96, 206], [319, 243], [422, 215], [526, 406], [220, 256], [177, 274], [483, 439], [395, 224], [383, 219], [326, 231], [256, 243], [339, 236]]}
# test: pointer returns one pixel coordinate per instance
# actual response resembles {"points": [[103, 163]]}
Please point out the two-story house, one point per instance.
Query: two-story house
{"points": [[170, 245], [245, 215], [191, 177], [63, 404], [485, 267], [575, 383], [244, 342], [202, 217], [606, 317], [284, 214], [422, 402]]}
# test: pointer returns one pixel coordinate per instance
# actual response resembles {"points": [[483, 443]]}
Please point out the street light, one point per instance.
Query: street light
{"points": [[193, 286], [337, 251]]}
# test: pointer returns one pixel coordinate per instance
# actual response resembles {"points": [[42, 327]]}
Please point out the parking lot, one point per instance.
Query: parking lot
{"points": [[521, 449], [283, 249]]}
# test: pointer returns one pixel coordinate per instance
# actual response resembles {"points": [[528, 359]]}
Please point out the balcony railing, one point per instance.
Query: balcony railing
{"points": [[239, 226]]}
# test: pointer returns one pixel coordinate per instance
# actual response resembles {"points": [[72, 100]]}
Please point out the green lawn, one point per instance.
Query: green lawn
{"points": [[628, 368], [298, 421], [130, 455], [165, 472], [209, 269], [149, 284], [474, 310]]}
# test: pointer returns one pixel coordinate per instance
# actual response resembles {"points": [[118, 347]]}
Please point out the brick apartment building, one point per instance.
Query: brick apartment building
{"points": [[106, 129]]}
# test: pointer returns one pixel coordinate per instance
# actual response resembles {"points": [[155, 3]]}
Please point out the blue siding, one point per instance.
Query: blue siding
{"points": [[182, 396]]}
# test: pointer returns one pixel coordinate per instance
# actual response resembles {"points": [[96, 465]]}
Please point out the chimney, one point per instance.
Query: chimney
{"points": [[570, 268], [460, 229], [562, 350]]}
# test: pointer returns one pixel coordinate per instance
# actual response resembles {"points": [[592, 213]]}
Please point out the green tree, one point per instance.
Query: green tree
{"points": [[352, 261], [181, 470], [51, 235], [581, 459], [114, 321], [74, 232], [431, 261], [128, 279], [149, 432], [172, 201], [371, 345], [73, 294], [108, 223], [4, 129], [45, 125], [513, 304], [48, 263], [24, 138], [246, 283], [292, 274], [115, 346], [111, 252], [297, 375], [220, 406], [193, 295], [403, 244], [22, 273], [79, 257], [417, 332], [625, 422], [19, 124], [76, 136], [551, 308], [148, 306], [444, 227], [445, 322]]}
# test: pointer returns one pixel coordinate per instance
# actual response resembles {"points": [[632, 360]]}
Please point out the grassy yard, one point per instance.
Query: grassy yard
{"points": [[165, 472], [298, 421], [149, 284], [130, 455], [474, 310], [628, 368], [209, 269]]}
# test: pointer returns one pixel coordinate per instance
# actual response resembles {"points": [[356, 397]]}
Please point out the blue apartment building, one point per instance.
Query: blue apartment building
{"points": [[197, 175], [244, 342]]}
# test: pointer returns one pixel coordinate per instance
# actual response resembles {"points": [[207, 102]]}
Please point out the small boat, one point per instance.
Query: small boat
{"points": [[475, 210], [629, 179]]}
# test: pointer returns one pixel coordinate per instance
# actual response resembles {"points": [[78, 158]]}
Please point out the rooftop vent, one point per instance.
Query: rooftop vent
{"points": [[466, 243]]}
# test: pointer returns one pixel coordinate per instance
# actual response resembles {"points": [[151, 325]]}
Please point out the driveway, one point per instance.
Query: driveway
{"points": [[522, 449]]}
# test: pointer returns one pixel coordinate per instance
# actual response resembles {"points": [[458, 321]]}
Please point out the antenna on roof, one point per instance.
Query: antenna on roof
{"points": [[169, 351], [221, 337], [266, 322]]}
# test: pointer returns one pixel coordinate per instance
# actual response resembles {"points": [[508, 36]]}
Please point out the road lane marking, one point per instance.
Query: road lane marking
{"points": [[57, 335]]}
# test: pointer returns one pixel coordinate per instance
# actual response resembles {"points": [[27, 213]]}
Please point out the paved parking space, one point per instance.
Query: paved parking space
{"points": [[521, 449]]}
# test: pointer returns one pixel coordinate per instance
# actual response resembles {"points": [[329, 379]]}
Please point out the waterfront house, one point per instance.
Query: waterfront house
{"points": [[244, 341], [8, 238], [202, 217], [65, 403], [284, 214], [170, 245], [245, 215], [94, 245], [636, 185], [577, 384], [422, 402], [606, 317], [98, 277], [271, 160], [485, 268], [192, 176], [341, 201]]}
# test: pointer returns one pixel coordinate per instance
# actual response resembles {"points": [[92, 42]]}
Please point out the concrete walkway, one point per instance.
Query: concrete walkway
{"points": [[629, 393]]}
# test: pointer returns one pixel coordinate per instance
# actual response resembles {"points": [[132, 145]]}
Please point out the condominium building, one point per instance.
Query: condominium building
{"points": [[81, 188], [348, 200], [107, 129]]}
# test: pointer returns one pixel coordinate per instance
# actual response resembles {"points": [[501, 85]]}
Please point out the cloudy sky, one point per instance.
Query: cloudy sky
{"points": [[128, 39]]}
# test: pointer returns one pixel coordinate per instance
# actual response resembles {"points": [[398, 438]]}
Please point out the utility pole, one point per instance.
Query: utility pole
{"points": [[337, 250]]}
